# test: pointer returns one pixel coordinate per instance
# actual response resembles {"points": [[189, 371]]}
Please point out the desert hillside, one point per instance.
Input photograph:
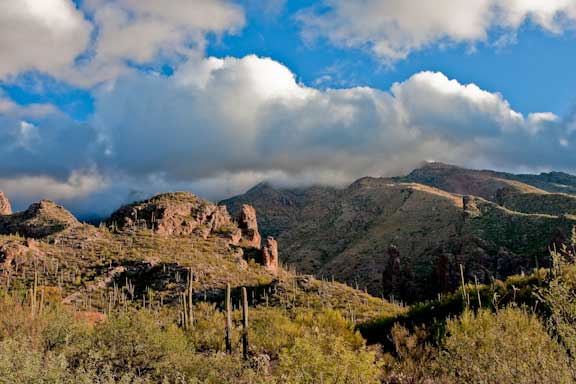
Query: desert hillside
{"points": [[406, 236]]}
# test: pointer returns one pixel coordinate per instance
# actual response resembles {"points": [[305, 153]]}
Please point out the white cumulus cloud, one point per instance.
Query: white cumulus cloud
{"points": [[102, 39], [250, 116], [43, 35], [392, 29]]}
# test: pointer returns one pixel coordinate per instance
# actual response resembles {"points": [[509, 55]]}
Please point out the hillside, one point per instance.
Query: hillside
{"points": [[405, 239], [146, 253]]}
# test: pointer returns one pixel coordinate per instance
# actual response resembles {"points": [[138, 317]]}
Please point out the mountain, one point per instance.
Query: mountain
{"points": [[407, 236]]}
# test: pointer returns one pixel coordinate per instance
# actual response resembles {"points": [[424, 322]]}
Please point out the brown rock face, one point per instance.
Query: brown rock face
{"points": [[270, 255], [249, 226], [39, 220], [13, 252], [5, 207], [177, 214]]}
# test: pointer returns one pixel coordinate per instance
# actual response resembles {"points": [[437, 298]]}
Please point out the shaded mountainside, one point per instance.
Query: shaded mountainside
{"points": [[146, 253], [406, 239]]}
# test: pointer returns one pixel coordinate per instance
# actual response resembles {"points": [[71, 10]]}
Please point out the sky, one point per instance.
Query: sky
{"points": [[106, 101]]}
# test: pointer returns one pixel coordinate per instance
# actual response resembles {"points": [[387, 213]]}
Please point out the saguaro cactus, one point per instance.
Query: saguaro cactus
{"points": [[34, 292], [228, 305], [244, 323], [190, 302]]}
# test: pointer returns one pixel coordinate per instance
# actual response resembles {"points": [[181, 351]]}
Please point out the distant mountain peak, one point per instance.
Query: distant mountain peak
{"points": [[262, 186]]}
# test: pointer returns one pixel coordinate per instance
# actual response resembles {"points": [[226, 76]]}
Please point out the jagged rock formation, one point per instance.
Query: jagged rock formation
{"points": [[249, 226], [39, 220], [177, 214], [184, 214], [347, 232], [5, 207], [270, 255]]}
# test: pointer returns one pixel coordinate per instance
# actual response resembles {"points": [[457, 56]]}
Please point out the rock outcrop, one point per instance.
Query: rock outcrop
{"points": [[5, 207], [470, 208], [39, 220], [177, 214], [14, 252], [270, 255], [249, 226]]}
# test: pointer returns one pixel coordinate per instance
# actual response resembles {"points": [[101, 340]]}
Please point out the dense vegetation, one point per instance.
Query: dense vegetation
{"points": [[141, 346], [525, 334]]}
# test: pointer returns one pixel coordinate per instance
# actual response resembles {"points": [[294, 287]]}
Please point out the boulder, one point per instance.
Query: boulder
{"points": [[270, 255], [249, 226], [5, 207]]}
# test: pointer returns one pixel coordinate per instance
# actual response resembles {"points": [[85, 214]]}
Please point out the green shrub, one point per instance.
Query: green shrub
{"points": [[510, 346], [132, 343]]}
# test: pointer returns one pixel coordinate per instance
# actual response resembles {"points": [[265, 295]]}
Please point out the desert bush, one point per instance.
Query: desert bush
{"points": [[132, 343], [509, 346], [328, 360], [21, 363]]}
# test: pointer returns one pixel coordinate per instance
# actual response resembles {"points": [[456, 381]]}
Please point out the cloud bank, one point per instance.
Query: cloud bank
{"points": [[392, 29], [218, 126]]}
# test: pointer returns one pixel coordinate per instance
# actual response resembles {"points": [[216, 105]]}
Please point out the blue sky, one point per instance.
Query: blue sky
{"points": [[535, 73], [102, 101]]}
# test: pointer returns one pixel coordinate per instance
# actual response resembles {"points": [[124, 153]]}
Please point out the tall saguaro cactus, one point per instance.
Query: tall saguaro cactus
{"points": [[34, 293], [244, 323], [228, 305], [190, 316]]}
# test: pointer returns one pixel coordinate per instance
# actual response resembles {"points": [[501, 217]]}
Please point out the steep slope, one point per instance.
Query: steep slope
{"points": [[403, 239]]}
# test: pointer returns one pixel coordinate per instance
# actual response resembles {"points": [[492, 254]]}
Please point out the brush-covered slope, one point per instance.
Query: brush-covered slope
{"points": [[145, 255], [402, 238]]}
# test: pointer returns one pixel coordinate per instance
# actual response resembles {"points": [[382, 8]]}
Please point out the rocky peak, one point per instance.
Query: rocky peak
{"points": [[41, 219], [270, 255], [249, 226], [5, 207], [178, 214]]}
